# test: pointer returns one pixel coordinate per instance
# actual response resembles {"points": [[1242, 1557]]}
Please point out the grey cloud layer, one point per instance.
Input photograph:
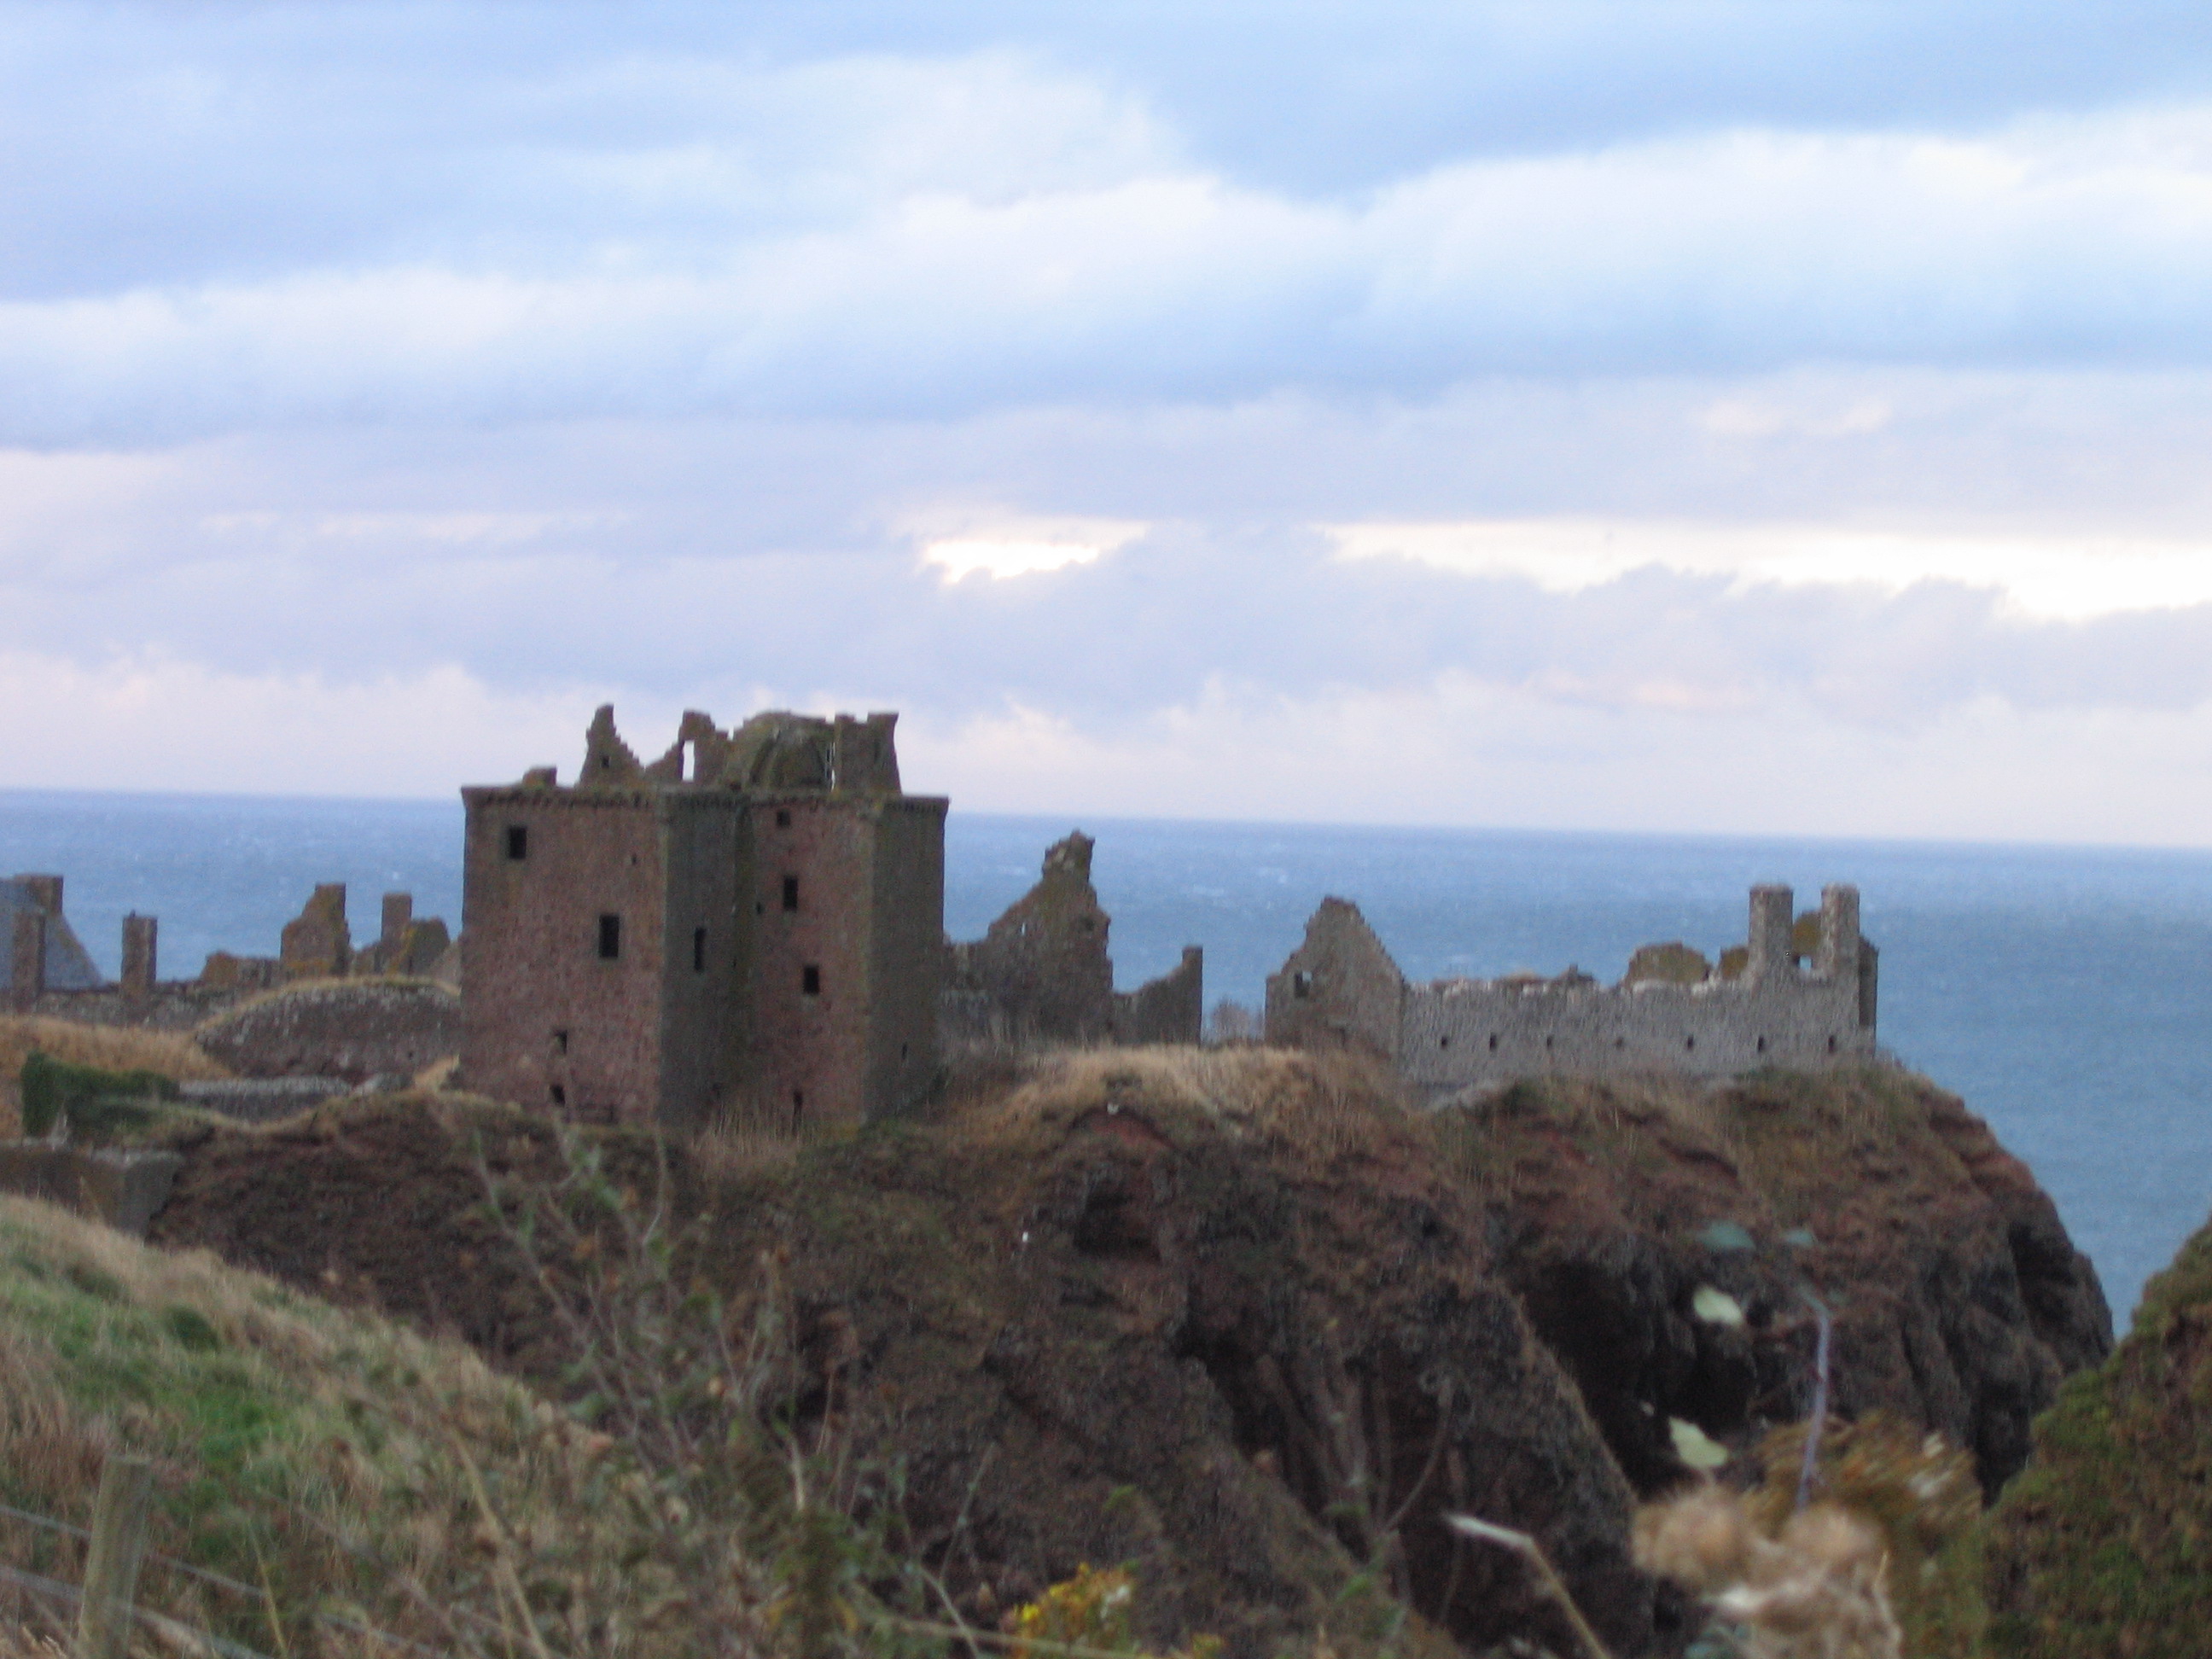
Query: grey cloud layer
{"points": [[240, 217]]}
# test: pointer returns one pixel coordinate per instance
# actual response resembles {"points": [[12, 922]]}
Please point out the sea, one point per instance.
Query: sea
{"points": [[2065, 992]]}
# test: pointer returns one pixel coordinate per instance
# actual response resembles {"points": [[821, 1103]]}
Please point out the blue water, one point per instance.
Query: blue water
{"points": [[2065, 992]]}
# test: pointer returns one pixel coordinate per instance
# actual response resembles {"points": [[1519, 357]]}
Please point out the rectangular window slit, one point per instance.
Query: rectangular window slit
{"points": [[560, 1042], [698, 949], [791, 892], [810, 979], [517, 841], [609, 938]]}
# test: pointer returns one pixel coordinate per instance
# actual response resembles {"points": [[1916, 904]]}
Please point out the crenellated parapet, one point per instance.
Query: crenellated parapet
{"points": [[1800, 993]]}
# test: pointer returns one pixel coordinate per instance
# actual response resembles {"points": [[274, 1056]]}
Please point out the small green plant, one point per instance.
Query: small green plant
{"points": [[98, 1104], [753, 1527]]}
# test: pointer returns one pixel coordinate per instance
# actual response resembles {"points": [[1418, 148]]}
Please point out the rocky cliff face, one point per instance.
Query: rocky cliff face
{"points": [[1959, 1302], [1244, 1320]]}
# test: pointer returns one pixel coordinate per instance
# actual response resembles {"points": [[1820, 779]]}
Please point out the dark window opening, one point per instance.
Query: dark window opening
{"points": [[1547, 1042], [1494, 1042], [1831, 1045], [791, 892], [609, 938], [1689, 1043], [518, 842], [560, 1042], [1762, 1045], [1301, 984], [797, 1106], [560, 1096], [698, 949], [782, 820], [1443, 1042], [901, 1051], [1620, 1042], [810, 979]]}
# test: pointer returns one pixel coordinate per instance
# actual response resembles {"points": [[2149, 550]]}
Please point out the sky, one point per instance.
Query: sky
{"points": [[1703, 417]]}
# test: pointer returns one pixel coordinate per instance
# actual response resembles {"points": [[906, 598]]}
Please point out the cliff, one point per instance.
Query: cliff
{"points": [[2100, 1547], [1244, 1319]]}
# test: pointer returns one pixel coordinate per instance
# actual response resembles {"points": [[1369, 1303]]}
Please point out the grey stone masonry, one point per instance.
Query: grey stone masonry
{"points": [[61, 964], [1800, 993]]}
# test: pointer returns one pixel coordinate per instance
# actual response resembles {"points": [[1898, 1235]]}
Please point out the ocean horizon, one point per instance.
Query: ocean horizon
{"points": [[2065, 991]]}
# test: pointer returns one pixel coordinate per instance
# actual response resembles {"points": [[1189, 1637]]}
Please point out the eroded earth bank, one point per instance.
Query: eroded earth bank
{"points": [[1243, 1320]]}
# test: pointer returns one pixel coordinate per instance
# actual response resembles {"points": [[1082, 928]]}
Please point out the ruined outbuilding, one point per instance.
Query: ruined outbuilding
{"points": [[749, 928], [1800, 993], [39, 950], [318, 945], [1041, 974]]}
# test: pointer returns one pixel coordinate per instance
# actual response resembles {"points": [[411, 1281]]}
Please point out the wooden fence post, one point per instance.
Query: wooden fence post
{"points": [[111, 1567]]}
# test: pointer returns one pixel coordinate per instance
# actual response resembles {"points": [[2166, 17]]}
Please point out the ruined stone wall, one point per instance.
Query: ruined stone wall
{"points": [[1041, 973], [1454, 1034], [548, 1021], [317, 944], [1043, 968], [40, 951], [1339, 990], [1169, 1009]]}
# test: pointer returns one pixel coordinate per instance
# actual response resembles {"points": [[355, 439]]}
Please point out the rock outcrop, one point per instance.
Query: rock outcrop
{"points": [[1959, 1302]]}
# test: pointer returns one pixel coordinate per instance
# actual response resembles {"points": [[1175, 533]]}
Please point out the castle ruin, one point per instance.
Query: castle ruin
{"points": [[1800, 994], [1041, 974], [749, 928]]}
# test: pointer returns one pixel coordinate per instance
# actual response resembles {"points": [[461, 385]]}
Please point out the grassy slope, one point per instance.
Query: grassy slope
{"points": [[297, 1448], [2104, 1545]]}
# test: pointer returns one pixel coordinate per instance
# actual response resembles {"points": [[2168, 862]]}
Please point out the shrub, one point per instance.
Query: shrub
{"points": [[99, 1104]]}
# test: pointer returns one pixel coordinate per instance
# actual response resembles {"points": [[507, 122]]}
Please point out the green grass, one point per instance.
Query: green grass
{"points": [[2104, 1545], [297, 1448]]}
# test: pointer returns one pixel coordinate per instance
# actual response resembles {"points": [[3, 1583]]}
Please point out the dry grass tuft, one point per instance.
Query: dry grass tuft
{"points": [[1817, 1588], [18, 1643], [1327, 1106]]}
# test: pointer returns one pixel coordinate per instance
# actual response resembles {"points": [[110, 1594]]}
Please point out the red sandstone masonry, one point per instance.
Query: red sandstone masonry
{"points": [[778, 910]]}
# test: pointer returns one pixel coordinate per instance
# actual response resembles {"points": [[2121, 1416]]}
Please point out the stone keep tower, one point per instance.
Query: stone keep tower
{"points": [[750, 926]]}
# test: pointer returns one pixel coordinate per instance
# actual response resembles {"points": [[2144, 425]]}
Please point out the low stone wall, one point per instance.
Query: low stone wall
{"points": [[174, 1005], [352, 1029], [123, 1189], [261, 1099]]}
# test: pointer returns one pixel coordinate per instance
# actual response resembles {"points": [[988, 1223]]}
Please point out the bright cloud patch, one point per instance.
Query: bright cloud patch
{"points": [[2059, 578], [999, 560]]}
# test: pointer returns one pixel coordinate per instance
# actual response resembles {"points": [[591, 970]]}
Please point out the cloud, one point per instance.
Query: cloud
{"points": [[953, 286], [2070, 578]]}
